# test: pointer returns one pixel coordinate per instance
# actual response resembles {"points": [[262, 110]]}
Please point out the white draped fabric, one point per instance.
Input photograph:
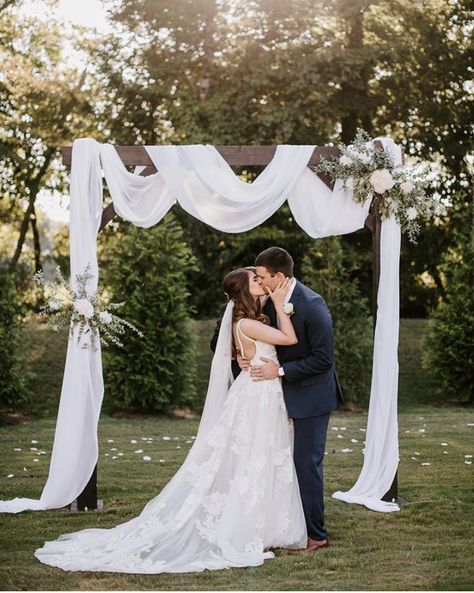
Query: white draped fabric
{"points": [[206, 187]]}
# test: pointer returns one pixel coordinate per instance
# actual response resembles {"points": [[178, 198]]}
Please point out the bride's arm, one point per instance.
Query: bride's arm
{"points": [[280, 337], [285, 336]]}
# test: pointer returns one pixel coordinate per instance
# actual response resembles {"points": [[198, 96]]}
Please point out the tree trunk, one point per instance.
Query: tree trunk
{"points": [[354, 91], [36, 240], [34, 188]]}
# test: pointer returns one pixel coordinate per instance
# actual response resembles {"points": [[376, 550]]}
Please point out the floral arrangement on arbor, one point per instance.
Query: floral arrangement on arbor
{"points": [[369, 171], [92, 313]]}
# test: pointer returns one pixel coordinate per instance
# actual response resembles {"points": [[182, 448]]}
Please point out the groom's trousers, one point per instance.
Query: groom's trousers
{"points": [[310, 443]]}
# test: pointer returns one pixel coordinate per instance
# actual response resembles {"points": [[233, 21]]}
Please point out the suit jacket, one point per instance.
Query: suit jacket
{"points": [[310, 384]]}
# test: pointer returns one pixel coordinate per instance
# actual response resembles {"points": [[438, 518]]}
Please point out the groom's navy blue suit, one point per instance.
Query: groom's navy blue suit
{"points": [[311, 391]]}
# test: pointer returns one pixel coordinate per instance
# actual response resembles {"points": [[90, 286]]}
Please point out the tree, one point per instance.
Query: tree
{"points": [[43, 105], [305, 72], [449, 343], [147, 268], [329, 271], [13, 390]]}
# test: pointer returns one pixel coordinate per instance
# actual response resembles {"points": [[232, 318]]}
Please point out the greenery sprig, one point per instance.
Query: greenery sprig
{"points": [[92, 314], [370, 171]]}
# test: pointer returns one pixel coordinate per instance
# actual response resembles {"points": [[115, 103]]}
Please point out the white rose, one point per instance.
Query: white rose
{"points": [[288, 309], [105, 317], [406, 187], [345, 161], [350, 183], [381, 180], [84, 307], [54, 305], [412, 213]]}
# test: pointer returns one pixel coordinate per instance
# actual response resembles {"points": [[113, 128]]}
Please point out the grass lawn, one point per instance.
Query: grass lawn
{"points": [[427, 546]]}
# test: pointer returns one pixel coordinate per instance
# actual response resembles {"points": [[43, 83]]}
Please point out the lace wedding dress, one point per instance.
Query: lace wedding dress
{"points": [[235, 496]]}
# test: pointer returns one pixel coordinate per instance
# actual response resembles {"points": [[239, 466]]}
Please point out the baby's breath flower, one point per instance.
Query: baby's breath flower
{"points": [[367, 170]]}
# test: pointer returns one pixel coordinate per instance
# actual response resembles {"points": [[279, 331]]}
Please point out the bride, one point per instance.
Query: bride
{"points": [[236, 494]]}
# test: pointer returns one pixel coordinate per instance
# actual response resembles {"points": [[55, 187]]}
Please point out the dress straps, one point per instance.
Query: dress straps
{"points": [[239, 332]]}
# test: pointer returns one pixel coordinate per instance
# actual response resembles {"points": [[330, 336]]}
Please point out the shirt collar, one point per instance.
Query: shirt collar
{"points": [[290, 292]]}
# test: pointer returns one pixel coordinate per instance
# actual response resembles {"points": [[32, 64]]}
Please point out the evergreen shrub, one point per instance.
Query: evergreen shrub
{"points": [[327, 270], [13, 390], [449, 343], [147, 268]]}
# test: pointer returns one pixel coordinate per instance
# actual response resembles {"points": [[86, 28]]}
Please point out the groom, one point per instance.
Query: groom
{"points": [[310, 386]]}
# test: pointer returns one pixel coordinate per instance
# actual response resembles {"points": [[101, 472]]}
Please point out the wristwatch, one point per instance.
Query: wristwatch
{"points": [[281, 372]]}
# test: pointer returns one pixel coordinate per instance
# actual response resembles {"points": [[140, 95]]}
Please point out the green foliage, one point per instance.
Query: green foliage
{"points": [[13, 391], [147, 269], [327, 270], [217, 253], [450, 340]]}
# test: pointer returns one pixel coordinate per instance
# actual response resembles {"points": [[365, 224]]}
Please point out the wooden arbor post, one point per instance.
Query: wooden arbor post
{"points": [[238, 156]]}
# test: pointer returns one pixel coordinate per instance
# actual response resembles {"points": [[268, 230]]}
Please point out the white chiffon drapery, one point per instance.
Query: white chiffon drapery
{"points": [[205, 186]]}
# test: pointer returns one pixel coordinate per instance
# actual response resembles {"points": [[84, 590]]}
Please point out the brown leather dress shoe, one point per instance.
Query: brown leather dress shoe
{"points": [[313, 545], [316, 544]]}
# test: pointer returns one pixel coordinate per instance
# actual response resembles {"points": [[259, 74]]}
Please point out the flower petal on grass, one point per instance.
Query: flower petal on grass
{"points": [[146, 458], [11, 476], [139, 451], [166, 438], [346, 450]]}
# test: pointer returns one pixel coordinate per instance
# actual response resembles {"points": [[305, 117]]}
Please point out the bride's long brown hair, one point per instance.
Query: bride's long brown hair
{"points": [[236, 288]]}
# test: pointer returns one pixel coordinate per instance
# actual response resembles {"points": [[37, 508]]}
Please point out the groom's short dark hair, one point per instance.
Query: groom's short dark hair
{"points": [[276, 259]]}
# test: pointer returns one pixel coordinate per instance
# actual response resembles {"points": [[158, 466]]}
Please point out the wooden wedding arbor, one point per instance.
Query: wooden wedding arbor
{"points": [[136, 156]]}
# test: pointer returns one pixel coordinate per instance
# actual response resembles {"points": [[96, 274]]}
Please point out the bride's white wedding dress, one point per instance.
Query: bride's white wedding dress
{"points": [[235, 496]]}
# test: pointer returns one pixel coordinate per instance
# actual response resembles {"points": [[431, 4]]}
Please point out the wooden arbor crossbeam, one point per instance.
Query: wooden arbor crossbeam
{"points": [[136, 156]]}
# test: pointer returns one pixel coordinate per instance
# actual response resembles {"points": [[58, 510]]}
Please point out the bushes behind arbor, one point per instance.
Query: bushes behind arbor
{"points": [[146, 269], [13, 390], [449, 344], [327, 270]]}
